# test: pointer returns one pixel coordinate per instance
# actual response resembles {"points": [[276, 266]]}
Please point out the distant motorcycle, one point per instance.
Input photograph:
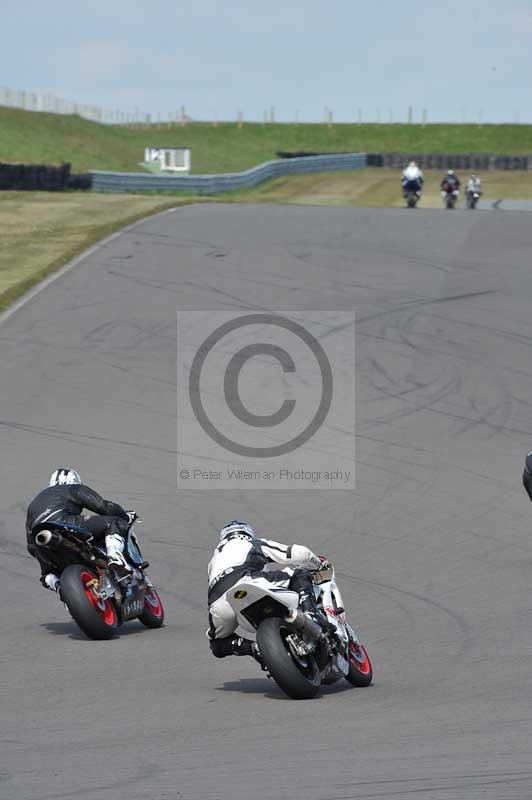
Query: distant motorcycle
{"points": [[297, 652], [97, 600], [411, 193], [450, 197], [472, 198]]}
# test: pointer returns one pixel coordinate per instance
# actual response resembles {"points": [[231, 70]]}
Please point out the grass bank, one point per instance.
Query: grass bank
{"points": [[27, 136], [41, 231]]}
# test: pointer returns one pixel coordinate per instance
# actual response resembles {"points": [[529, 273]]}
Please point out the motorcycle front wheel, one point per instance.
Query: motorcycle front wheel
{"points": [[360, 669], [300, 679], [96, 618], [153, 613]]}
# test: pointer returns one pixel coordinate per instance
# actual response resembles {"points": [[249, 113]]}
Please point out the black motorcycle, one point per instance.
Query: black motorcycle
{"points": [[450, 196], [98, 600]]}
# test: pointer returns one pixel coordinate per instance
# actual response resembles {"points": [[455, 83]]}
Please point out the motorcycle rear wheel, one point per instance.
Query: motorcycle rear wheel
{"points": [[98, 620], [297, 680]]}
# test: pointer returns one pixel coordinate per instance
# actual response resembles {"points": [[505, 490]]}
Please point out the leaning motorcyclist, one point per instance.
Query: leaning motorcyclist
{"points": [[412, 178], [527, 475], [474, 184], [63, 501], [451, 183], [241, 553]]}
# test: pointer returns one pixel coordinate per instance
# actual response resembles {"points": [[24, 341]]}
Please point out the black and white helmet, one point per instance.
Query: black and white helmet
{"points": [[64, 475], [236, 528]]}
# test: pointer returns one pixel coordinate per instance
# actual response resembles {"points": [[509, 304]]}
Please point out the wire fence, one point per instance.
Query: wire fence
{"points": [[49, 102]]}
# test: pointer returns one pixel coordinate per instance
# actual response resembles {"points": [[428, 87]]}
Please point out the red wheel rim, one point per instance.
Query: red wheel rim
{"points": [[358, 658], [152, 602], [104, 607]]}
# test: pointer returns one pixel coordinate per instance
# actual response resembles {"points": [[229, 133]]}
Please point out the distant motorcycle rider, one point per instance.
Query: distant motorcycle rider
{"points": [[451, 183], [241, 553], [63, 501], [412, 178], [474, 184]]}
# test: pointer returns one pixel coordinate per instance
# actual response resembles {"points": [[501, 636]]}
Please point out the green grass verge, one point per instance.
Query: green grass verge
{"points": [[42, 231], [32, 137]]}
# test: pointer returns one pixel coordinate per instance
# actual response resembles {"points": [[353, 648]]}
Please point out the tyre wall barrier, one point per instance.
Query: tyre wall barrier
{"points": [[466, 161], [42, 177], [216, 184]]}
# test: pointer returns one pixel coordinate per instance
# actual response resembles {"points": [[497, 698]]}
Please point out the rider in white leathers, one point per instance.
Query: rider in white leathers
{"points": [[474, 184], [240, 553], [412, 173], [412, 180]]}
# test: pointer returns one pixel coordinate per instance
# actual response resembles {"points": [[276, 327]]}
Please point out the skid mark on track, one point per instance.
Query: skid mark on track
{"points": [[464, 628], [424, 302], [463, 784], [80, 438]]}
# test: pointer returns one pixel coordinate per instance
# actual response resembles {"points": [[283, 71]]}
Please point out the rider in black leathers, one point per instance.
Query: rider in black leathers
{"points": [[451, 182], [63, 501]]}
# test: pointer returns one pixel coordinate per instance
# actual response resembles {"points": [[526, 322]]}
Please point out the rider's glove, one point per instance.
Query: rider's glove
{"points": [[325, 563]]}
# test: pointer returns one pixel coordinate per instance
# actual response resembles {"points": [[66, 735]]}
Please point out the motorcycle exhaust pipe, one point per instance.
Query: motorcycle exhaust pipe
{"points": [[48, 539], [303, 624]]}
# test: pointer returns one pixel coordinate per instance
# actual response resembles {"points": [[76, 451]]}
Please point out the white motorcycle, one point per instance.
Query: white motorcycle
{"points": [[472, 197], [297, 652]]}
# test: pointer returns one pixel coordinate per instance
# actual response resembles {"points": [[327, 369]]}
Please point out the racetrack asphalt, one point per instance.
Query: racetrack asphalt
{"points": [[433, 549]]}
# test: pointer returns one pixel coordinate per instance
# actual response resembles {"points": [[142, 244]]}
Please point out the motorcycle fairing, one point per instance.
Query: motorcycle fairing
{"points": [[249, 591]]}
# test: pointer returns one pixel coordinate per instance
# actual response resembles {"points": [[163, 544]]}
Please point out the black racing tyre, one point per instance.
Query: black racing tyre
{"points": [[98, 620], [153, 614], [360, 669], [299, 680]]}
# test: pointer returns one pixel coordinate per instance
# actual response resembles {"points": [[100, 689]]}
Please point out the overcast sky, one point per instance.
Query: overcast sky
{"points": [[454, 58]]}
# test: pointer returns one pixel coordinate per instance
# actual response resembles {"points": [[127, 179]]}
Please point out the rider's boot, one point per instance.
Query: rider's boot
{"points": [[301, 582], [114, 545], [245, 647], [308, 605], [51, 581], [235, 646]]}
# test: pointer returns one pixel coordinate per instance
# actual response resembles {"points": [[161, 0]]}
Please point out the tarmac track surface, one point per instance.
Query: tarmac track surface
{"points": [[433, 549]]}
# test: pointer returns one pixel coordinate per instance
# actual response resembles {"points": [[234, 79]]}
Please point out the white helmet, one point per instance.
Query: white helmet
{"points": [[236, 528], [64, 475]]}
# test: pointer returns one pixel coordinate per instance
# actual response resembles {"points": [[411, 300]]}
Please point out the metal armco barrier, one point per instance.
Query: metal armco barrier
{"points": [[216, 184]]}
